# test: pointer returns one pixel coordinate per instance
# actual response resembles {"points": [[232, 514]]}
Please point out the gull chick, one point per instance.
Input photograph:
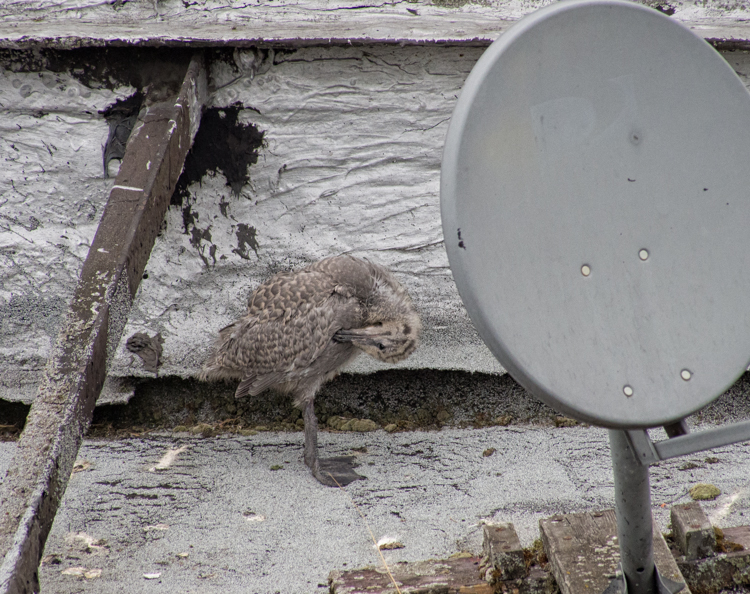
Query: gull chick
{"points": [[301, 327]]}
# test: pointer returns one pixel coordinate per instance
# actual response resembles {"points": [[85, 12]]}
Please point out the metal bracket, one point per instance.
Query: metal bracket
{"points": [[663, 585], [648, 452]]}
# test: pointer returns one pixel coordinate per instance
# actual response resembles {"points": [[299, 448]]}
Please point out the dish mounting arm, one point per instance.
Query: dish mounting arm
{"points": [[681, 442]]}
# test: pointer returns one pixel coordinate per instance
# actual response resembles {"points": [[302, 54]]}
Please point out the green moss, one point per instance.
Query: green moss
{"points": [[565, 422], [443, 416], [704, 491], [364, 425], [203, 429], [689, 466], [535, 555]]}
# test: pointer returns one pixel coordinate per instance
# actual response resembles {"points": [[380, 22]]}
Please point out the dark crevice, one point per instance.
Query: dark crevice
{"points": [[99, 68], [222, 144], [409, 399]]}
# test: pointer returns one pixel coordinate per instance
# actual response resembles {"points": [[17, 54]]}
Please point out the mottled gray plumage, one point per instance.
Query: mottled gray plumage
{"points": [[301, 327]]}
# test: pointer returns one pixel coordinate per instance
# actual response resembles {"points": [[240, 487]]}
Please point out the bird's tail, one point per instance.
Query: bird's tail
{"points": [[218, 365]]}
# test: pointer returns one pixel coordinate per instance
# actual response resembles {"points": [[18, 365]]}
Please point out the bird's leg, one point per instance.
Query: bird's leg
{"points": [[332, 472], [311, 437]]}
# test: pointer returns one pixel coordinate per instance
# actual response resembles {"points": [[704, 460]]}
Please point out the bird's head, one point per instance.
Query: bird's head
{"points": [[390, 341]]}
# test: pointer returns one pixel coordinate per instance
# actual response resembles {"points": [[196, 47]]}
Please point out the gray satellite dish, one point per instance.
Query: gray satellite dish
{"points": [[596, 216], [595, 208]]}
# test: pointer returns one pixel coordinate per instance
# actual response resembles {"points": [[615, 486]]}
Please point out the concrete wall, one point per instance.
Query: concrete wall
{"points": [[349, 163], [346, 144], [334, 150], [52, 193]]}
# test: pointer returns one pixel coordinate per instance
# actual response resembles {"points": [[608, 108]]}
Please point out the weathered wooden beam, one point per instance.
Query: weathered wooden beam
{"points": [[503, 550], [721, 571], [444, 576], [33, 486], [584, 553], [310, 23], [692, 530]]}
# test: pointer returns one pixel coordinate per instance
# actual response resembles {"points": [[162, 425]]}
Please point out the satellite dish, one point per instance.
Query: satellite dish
{"points": [[596, 214]]}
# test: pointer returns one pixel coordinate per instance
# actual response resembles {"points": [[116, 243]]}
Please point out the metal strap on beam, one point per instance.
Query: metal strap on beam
{"points": [[33, 487]]}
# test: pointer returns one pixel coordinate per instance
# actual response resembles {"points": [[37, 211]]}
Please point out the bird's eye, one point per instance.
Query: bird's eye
{"points": [[381, 346]]}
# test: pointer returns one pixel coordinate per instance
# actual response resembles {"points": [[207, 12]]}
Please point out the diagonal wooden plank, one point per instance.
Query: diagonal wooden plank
{"points": [[35, 482]]}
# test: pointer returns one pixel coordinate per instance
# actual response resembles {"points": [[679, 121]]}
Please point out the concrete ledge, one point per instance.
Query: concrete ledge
{"points": [[217, 499]]}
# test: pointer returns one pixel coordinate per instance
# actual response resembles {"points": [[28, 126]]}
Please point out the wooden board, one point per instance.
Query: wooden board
{"points": [[448, 576], [723, 571], [503, 550], [81, 23], [692, 530], [35, 482], [584, 554], [739, 535]]}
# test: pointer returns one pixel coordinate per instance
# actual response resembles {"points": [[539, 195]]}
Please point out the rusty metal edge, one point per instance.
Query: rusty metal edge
{"points": [[34, 484]]}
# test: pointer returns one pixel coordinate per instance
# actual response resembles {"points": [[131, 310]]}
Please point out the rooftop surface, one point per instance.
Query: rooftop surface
{"points": [[173, 512]]}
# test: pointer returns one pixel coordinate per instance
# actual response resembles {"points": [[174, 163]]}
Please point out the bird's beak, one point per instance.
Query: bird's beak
{"points": [[361, 336]]}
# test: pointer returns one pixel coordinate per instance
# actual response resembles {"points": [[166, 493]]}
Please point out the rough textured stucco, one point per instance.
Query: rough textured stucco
{"points": [[349, 163], [295, 23], [52, 193]]}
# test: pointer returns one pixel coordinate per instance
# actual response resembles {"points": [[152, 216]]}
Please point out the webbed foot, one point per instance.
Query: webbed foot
{"points": [[335, 472]]}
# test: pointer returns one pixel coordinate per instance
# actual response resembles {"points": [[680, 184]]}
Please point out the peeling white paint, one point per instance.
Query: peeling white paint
{"points": [[52, 193]]}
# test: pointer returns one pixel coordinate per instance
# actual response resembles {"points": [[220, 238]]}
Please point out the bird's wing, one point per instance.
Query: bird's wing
{"points": [[254, 385], [287, 326]]}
